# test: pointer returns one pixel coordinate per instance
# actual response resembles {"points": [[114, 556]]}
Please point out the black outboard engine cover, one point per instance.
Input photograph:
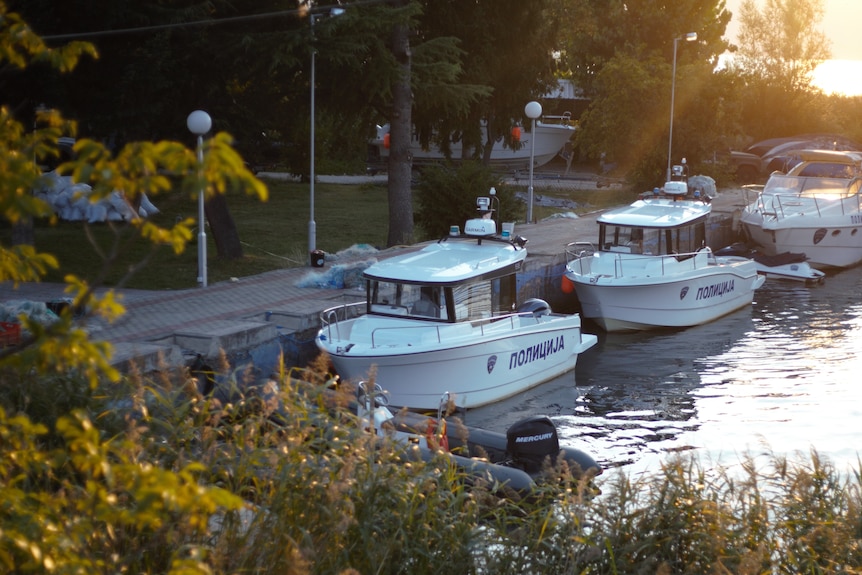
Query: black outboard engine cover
{"points": [[536, 306], [530, 440]]}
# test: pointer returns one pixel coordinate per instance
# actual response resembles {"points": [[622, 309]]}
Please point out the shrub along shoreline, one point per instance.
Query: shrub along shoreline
{"points": [[150, 476]]}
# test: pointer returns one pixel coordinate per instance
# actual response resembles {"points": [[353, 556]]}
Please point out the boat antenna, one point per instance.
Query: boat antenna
{"points": [[493, 194]]}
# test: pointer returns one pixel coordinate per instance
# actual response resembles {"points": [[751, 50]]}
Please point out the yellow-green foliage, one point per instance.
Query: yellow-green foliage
{"points": [[142, 168]]}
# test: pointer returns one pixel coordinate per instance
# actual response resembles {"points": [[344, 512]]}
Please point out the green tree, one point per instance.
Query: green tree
{"points": [[622, 54], [506, 62], [137, 169], [780, 45]]}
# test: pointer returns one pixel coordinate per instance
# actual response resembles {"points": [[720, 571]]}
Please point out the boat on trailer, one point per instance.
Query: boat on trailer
{"points": [[551, 136], [445, 318], [652, 268]]}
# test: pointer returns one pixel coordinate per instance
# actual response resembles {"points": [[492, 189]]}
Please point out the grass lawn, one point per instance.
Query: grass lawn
{"points": [[274, 234]]}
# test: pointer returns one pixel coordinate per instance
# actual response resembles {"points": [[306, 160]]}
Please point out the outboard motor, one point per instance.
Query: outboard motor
{"points": [[536, 306], [530, 440]]}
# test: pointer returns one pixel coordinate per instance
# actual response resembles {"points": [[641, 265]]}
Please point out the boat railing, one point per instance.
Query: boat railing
{"points": [[439, 331], [330, 317], [658, 265], [577, 250], [784, 205], [785, 196], [565, 119]]}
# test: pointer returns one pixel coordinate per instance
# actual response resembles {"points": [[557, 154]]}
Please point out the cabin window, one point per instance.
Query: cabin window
{"points": [[686, 240], [473, 301], [392, 298], [622, 239], [505, 294], [387, 297], [427, 301], [652, 241]]}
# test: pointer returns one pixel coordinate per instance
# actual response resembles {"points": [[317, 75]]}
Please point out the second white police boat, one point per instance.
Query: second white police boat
{"points": [[445, 319], [652, 268]]}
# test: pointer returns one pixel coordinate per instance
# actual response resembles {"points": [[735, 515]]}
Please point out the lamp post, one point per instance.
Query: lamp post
{"points": [[199, 122], [533, 110], [690, 37], [312, 225]]}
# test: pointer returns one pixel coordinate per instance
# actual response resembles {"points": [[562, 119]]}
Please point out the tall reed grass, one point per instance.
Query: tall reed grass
{"points": [[279, 476]]}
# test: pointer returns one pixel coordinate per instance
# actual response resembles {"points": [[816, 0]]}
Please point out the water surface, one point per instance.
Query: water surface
{"points": [[781, 375]]}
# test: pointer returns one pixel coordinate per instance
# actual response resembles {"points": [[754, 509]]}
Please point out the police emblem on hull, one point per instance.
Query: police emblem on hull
{"points": [[492, 361], [683, 292]]}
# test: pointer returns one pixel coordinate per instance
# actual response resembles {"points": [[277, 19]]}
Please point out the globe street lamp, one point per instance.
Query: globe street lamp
{"points": [[533, 110], [199, 122], [690, 37], [312, 225]]}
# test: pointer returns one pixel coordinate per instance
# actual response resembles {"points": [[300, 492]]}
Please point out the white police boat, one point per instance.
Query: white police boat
{"points": [[652, 269], [445, 318]]}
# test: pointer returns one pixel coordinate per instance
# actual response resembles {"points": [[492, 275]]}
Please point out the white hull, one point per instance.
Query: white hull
{"points": [[478, 363], [827, 242], [550, 140], [820, 217], [798, 272], [689, 293], [787, 266]]}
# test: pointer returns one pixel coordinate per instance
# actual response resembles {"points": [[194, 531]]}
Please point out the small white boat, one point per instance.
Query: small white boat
{"points": [[815, 209], [552, 134], [652, 269], [445, 319], [786, 266]]}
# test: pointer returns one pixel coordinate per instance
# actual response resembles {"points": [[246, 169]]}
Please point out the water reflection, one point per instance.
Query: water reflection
{"points": [[779, 374]]}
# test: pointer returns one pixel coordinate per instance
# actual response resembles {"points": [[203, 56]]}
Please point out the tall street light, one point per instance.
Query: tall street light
{"points": [[199, 122], [312, 225], [533, 110], [690, 37]]}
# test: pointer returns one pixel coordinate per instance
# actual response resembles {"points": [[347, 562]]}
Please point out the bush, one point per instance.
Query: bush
{"points": [[446, 196], [280, 477]]}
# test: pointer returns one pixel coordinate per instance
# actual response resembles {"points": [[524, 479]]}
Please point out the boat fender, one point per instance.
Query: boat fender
{"points": [[516, 134], [434, 438], [386, 140], [567, 285], [538, 307]]}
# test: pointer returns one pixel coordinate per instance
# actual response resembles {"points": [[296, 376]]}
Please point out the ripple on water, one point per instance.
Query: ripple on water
{"points": [[781, 375]]}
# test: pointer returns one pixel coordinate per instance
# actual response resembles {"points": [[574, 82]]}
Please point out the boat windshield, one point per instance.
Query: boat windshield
{"points": [[464, 302], [810, 186], [426, 302], [652, 241]]}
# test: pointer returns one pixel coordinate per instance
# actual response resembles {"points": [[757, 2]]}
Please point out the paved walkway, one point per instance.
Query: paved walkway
{"points": [[253, 310]]}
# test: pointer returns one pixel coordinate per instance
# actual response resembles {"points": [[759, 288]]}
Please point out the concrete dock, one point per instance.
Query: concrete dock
{"points": [[254, 319]]}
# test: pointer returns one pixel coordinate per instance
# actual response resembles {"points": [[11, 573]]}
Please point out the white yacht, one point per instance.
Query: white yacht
{"points": [[652, 269], [445, 319], [815, 209]]}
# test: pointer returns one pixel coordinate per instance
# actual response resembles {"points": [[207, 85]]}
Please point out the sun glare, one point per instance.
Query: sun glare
{"points": [[839, 77]]}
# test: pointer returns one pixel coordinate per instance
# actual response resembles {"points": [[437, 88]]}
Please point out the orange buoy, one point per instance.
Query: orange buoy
{"points": [[567, 285], [386, 140], [516, 133]]}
